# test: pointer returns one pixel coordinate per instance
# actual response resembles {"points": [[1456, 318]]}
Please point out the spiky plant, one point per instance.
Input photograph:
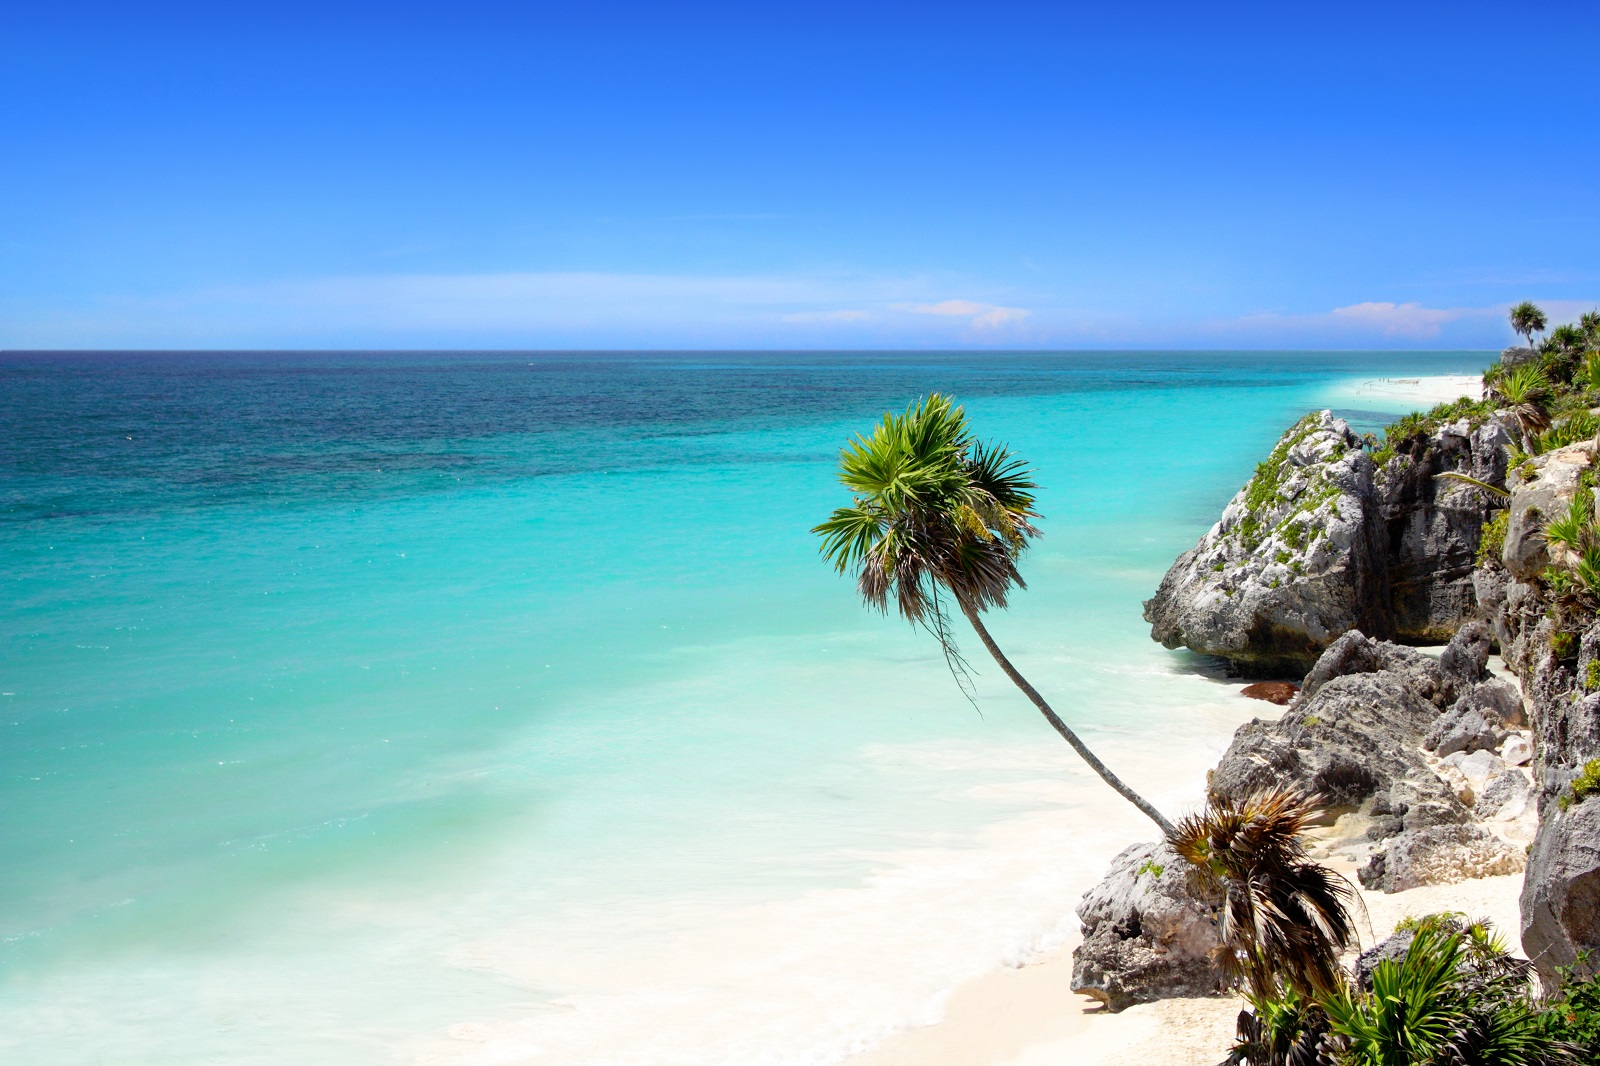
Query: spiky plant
{"points": [[1567, 535], [1447, 1000], [938, 513], [1589, 370], [1284, 921], [1526, 393], [1283, 1030], [1526, 320]]}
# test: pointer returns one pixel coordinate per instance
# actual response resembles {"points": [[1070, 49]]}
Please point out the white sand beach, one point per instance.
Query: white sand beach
{"points": [[1028, 1016], [1401, 395]]}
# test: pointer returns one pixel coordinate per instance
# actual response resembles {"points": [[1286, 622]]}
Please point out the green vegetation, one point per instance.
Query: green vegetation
{"points": [[1579, 426], [1525, 392], [1456, 996], [1440, 1004], [1413, 427], [936, 513], [1151, 867], [1591, 676], [1265, 492], [1526, 320], [1586, 784], [1564, 644], [1492, 539], [1572, 1015]]}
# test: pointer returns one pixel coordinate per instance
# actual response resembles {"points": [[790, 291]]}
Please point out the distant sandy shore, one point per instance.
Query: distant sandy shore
{"points": [[1408, 394], [1028, 1016]]}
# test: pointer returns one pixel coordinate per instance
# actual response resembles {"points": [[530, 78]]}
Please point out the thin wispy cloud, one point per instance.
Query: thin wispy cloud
{"points": [[623, 310], [979, 315]]}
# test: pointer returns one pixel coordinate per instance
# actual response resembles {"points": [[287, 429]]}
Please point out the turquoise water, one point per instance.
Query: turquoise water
{"points": [[467, 707]]}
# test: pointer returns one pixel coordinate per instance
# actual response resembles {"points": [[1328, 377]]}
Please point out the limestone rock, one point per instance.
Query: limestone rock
{"points": [[1463, 728], [1464, 663], [1295, 561], [1477, 768], [1320, 542], [1439, 855], [1517, 751], [1561, 892], [1507, 796], [1432, 527], [1351, 735], [1535, 499], [1144, 936]]}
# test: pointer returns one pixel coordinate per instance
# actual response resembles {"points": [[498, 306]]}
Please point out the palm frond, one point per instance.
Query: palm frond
{"points": [[1467, 479], [1284, 918]]}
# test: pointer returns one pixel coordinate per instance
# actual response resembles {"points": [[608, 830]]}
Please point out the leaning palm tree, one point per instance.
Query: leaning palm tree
{"points": [[1526, 393], [1526, 320], [1284, 922], [938, 513]]}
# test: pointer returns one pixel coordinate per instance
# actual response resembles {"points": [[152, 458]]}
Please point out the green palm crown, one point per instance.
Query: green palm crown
{"points": [[933, 507]]}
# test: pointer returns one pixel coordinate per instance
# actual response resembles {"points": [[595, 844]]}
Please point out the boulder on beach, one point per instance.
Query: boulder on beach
{"points": [[1145, 937]]}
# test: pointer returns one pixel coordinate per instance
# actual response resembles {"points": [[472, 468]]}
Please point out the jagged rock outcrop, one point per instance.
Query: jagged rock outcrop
{"points": [[1352, 734], [1294, 562], [1561, 892], [1320, 541], [1354, 737], [1558, 668], [1536, 497], [1433, 527], [1145, 937]]}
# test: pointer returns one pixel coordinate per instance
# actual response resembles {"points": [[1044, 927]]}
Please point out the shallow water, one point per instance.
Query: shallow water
{"points": [[497, 708]]}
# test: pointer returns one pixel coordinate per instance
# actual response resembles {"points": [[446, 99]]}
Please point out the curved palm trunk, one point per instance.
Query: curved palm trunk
{"points": [[1061, 727]]}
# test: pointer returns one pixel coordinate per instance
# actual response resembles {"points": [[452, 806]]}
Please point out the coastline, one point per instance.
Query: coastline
{"points": [[1028, 1015]]}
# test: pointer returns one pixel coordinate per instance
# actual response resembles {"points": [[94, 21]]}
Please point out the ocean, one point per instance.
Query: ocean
{"points": [[372, 708]]}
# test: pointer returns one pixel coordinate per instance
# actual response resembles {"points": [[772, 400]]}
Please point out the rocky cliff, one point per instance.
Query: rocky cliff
{"points": [[1323, 539], [1550, 636], [1433, 770]]}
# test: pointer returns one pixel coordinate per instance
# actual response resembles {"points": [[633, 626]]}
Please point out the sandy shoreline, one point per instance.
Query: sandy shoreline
{"points": [[1406, 394], [1028, 1016]]}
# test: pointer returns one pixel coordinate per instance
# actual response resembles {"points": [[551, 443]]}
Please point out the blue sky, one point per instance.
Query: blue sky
{"points": [[817, 175]]}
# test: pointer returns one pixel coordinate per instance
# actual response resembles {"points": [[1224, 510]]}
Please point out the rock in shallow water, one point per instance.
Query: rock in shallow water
{"points": [[1144, 936]]}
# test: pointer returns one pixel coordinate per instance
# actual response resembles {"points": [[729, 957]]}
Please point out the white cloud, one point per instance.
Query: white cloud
{"points": [[1409, 320], [980, 315]]}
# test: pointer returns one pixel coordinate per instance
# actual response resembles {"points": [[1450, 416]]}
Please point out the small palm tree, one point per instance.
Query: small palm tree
{"points": [[1284, 920], [1526, 393], [938, 512], [1526, 320], [1589, 323]]}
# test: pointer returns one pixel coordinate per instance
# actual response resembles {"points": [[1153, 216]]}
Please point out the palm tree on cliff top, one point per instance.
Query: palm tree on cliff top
{"points": [[1526, 320], [937, 512]]}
